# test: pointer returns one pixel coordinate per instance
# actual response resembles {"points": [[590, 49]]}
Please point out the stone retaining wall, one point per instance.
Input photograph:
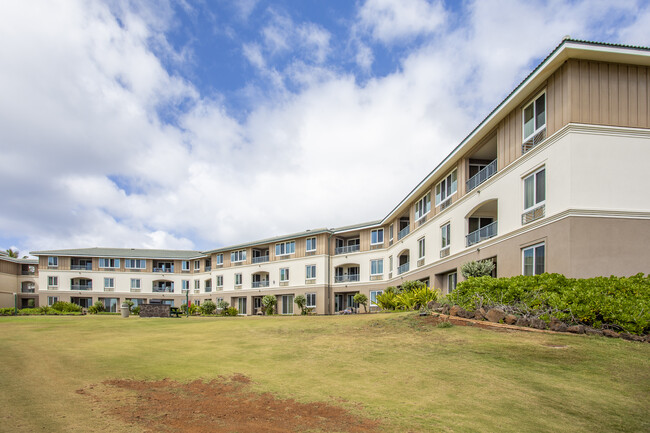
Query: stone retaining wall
{"points": [[154, 310]]}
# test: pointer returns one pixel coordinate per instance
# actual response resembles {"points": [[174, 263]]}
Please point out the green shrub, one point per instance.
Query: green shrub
{"points": [[481, 268], [6, 311], [413, 296], [619, 302], [193, 309], [269, 302], [66, 307], [44, 309], [387, 300], [409, 286], [301, 302], [229, 311], [31, 303], [29, 311], [222, 305], [130, 303], [136, 310], [208, 307], [362, 299], [97, 307]]}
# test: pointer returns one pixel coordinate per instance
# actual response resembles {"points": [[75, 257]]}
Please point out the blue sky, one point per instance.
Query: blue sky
{"points": [[199, 124]]}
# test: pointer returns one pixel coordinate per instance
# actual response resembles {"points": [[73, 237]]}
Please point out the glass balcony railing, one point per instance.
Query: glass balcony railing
{"points": [[346, 278], [484, 174], [403, 232], [348, 249], [481, 234], [403, 268]]}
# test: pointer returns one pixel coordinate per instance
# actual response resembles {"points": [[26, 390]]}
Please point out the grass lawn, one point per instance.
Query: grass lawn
{"points": [[387, 367]]}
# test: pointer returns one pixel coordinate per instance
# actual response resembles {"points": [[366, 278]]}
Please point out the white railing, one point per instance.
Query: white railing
{"points": [[484, 174], [81, 287], [403, 268], [487, 232], [86, 267], [346, 278], [258, 284], [261, 259], [534, 140], [403, 232], [164, 269], [161, 289], [348, 249]]}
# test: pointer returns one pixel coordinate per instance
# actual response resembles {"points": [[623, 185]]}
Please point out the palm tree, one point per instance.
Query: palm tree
{"points": [[13, 253]]}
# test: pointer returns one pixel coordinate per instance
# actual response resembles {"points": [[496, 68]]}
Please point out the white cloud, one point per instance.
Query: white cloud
{"points": [[394, 20]]}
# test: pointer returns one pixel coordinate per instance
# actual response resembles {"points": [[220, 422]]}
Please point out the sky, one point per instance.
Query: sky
{"points": [[185, 124]]}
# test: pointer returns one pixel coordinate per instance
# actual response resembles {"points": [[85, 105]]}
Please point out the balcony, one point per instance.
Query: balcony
{"points": [[534, 140], [403, 268], [81, 287], [208, 268], [167, 269], [28, 273], [484, 174], [260, 259], [403, 232], [86, 267], [348, 249], [258, 284], [29, 289], [487, 232], [163, 289], [346, 278]]}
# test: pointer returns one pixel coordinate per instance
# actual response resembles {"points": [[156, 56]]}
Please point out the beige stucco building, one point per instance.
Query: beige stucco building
{"points": [[553, 180]]}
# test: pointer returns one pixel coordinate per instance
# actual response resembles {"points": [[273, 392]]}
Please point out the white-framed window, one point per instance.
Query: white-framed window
{"points": [[135, 263], [238, 279], [109, 263], [446, 188], [285, 248], [219, 280], [535, 116], [377, 267], [197, 265], [135, 283], [238, 256], [185, 265], [390, 232], [445, 238], [533, 259], [53, 261], [373, 296], [109, 283], [423, 206], [310, 244], [284, 274], [377, 237], [311, 300], [310, 272], [197, 284], [52, 281], [185, 285], [421, 248], [51, 300], [452, 280], [535, 189], [219, 259]]}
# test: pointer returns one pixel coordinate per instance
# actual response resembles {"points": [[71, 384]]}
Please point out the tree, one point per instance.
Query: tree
{"points": [[13, 253], [362, 299], [479, 268], [208, 307], [269, 302], [301, 302]]}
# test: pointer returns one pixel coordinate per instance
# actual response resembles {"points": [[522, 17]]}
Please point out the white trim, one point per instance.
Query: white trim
{"points": [[533, 247], [523, 120], [533, 174]]}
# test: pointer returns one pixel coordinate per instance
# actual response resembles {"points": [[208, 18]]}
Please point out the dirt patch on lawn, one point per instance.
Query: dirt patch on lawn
{"points": [[221, 405]]}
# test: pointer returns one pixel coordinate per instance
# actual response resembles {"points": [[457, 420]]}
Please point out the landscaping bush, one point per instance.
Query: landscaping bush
{"points": [[66, 307], [6, 311], [481, 268], [412, 296], [269, 302], [193, 309], [222, 305], [362, 299], [301, 302], [616, 302], [229, 311], [136, 310], [208, 308], [31, 303], [97, 307]]}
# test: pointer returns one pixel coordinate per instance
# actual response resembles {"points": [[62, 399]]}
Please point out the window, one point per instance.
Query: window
{"points": [[185, 285], [377, 267], [446, 188], [311, 300], [533, 259], [390, 232], [53, 261], [421, 248], [446, 235], [452, 280], [535, 189], [219, 280], [134, 263], [52, 281], [310, 272], [238, 256], [284, 274], [109, 263], [197, 285], [185, 265], [219, 259], [311, 244], [373, 296], [535, 116], [238, 280], [51, 300], [390, 264], [285, 248], [208, 285], [197, 265], [109, 283], [135, 283], [377, 236], [423, 206]]}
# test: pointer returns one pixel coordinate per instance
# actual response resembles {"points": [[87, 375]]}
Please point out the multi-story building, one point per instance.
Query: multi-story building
{"points": [[552, 180], [18, 282]]}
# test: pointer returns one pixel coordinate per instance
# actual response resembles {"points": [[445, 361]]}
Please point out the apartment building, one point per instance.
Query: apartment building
{"points": [[554, 179], [18, 282]]}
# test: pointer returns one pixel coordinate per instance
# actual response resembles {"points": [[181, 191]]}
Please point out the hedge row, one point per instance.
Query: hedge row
{"points": [[616, 302]]}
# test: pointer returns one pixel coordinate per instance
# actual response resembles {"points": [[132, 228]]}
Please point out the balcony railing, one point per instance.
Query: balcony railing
{"points": [[403, 268], [28, 290], [346, 278], [86, 267], [533, 214], [28, 272], [484, 174], [162, 289], [258, 284], [208, 268], [533, 141], [208, 289], [164, 269], [261, 259], [403, 232], [81, 287], [487, 232], [348, 249]]}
